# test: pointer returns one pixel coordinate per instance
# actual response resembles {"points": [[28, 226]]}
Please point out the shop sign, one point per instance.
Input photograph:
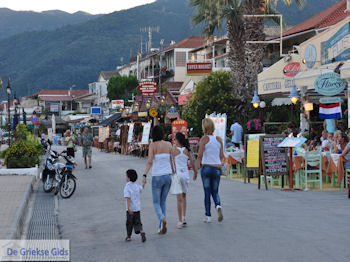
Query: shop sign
{"points": [[330, 100], [172, 113], [153, 112], [337, 47], [310, 56], [179, 126], [329, 84], [183, 99], [147, 88], [38, 109], [96, 110], [199, 68], [292, 69], [142, 114], [54, 107], [193, 141], [117, 104]]}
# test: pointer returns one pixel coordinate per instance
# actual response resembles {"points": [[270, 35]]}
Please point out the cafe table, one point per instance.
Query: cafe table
{"points": [[235, 158], [336, 168]]}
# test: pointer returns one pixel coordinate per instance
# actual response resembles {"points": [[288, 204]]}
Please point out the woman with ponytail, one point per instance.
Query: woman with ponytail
{"points": [[182, 153]]}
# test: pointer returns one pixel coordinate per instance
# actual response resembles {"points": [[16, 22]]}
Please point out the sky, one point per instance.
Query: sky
{"points": [[71, 6]]}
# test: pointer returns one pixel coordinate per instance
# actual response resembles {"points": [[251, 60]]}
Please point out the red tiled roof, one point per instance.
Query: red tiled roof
{"points": [[189, 42], [74, 93], [328, 17], [56, 98]]}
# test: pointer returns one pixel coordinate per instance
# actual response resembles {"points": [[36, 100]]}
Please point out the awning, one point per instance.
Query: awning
{"points": [[111, 119], [188, 86]]}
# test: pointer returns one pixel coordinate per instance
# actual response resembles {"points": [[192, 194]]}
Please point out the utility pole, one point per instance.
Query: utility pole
{"points": [[149, 30]]}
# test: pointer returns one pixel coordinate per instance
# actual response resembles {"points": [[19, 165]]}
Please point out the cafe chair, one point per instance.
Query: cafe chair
{"points": [[313, 168]]}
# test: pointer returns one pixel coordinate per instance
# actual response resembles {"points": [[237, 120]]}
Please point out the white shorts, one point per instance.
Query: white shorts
{"points": [[184, 180]]}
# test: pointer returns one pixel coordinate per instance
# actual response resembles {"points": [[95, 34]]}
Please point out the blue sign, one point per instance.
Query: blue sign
{"points": [[310, 56], [96, 110], [337, 47], [329, 84]]}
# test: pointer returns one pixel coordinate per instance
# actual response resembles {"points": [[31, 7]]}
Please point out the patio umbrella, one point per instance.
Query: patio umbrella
{"points": [[53, 122]]}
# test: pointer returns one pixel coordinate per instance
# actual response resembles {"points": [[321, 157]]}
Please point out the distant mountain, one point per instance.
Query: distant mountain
{"points": [[14, 22], [75, 54]]}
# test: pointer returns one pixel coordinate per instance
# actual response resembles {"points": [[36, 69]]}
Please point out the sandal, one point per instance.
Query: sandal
{"points": [[128, 239], [143, 237], [163, 229], [179, 225]]}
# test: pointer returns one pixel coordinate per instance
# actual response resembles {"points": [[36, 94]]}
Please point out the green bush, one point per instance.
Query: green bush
{"points": [[21, 132], [22, 155], [3, 153]]}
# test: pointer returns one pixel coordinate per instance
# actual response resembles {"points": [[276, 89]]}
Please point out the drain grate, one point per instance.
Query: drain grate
{"points": [[43, 224]]}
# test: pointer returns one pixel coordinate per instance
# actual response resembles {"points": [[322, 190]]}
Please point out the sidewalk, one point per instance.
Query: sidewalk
{"points": [[12, 192]]}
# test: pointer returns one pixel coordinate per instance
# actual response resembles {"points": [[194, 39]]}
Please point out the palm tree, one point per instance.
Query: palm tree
{"points": [[254, 31], [244, 59]]}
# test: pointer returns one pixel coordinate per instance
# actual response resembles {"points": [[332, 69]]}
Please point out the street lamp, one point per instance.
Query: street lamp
{"points": [[148, 104], [256, 100], [162, 100], [8, 90], [294, 96], [136, 107]]}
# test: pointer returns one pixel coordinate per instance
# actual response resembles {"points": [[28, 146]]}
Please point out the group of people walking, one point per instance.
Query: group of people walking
{"points": [[164, 160]]}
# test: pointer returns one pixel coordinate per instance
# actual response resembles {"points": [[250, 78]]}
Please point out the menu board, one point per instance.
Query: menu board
{"points": [[253, 153], [131, 132], [274, 158]]}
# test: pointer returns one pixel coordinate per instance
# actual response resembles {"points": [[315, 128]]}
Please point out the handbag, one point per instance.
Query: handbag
{"points": [[175, 188]]}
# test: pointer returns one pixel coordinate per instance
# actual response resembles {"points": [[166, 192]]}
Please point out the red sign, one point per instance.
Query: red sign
{"points": [[147, 88], [193, 141], [178, 126], [292, 69], [199, 68], [183, 99]]}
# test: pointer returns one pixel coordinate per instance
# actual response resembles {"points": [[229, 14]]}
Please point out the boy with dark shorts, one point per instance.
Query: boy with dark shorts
{"points": [[132, 195]]}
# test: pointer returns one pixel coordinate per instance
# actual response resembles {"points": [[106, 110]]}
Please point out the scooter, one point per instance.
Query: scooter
{"points": [[49, 171], [65, 181]]}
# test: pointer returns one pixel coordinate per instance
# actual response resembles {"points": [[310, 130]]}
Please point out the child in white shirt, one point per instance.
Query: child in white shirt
{"points": [[132, 195]]}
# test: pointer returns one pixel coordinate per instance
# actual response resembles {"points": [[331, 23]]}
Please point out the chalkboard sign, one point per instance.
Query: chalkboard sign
{"points": [[274, 158]]}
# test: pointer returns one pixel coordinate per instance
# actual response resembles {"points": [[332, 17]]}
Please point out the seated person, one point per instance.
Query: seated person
{"points": [[340, 144], [328, 143], [346, 153]]}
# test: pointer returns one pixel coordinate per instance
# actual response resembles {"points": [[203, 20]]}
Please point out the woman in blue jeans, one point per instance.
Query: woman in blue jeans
{"points": [[159, 159], [210, 155]]}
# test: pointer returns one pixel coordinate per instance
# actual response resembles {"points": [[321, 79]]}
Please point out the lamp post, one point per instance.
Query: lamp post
{"points": [[8, 90], [255, 100], [294, 96]]}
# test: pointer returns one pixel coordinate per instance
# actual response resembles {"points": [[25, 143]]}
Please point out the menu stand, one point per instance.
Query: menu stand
{"points": [[290, 143]]}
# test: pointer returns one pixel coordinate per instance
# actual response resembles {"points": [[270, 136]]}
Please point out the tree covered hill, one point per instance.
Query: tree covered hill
{"points": [[75, 54], [14, 22]]}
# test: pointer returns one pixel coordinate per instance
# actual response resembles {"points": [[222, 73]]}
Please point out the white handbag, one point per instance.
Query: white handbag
{"points": [[175, 188]]}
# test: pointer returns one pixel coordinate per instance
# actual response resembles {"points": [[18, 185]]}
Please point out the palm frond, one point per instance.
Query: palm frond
{"points": [[271, 10], [300, 3]]}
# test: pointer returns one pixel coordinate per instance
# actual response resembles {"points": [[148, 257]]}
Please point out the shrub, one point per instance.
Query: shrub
{"points": [[3, 153], [22, 155], [21, 132]]}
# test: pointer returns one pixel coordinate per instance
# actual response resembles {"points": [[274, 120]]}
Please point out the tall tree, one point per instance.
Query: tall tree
{"points": [[121, 87], [244, 59]]}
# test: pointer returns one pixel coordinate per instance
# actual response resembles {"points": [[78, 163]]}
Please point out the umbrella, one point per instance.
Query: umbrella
{"points": [[53, 122]]}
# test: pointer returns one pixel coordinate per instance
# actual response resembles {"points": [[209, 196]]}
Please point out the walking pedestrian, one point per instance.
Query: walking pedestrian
{"points": [[86, 142], [69, 143], [133, 205], [159, 159], [236, 132], [210, 155], [182, 154]]}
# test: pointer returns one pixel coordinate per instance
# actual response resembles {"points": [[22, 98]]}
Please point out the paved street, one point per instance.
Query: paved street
{"points": [[12, 189], [258, 225]]}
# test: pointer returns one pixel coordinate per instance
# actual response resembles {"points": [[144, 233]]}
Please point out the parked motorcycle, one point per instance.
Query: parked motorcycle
{"points": [[49, 171], [65, 181]]}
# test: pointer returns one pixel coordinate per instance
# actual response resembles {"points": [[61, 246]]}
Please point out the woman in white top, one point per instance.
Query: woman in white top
{"points": [[210, 155], [159, 160], [182, 153]]}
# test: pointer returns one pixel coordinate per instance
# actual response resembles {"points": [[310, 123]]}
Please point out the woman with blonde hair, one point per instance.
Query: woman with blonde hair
{"points": [[210, 156]]}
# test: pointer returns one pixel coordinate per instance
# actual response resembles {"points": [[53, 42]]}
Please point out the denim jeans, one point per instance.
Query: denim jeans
{"points": [[211, 180], [160, 190], [346, 164]]}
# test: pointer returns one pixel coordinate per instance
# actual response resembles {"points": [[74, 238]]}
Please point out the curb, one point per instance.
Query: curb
{"points": [[17, 223]]}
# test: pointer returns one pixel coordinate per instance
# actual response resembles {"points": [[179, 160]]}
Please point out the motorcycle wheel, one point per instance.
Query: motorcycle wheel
{"points": [[48, 185], [67, 188]]}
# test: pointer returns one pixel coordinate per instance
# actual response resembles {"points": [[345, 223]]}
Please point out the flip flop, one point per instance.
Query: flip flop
{"points": [[127, 239]]}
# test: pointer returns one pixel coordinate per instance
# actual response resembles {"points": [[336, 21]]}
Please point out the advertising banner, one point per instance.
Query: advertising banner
{"points": [[178, 126], [131, 132], [145, 133]]}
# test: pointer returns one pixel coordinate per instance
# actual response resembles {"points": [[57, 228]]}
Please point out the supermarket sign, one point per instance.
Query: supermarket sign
{"points": [[199, 68], [147, 88]]}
